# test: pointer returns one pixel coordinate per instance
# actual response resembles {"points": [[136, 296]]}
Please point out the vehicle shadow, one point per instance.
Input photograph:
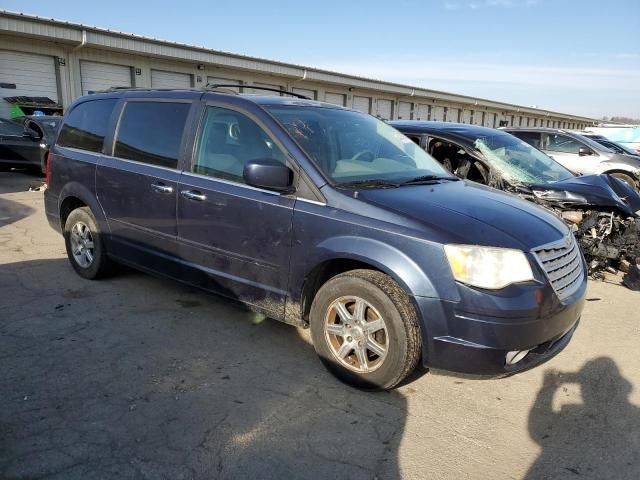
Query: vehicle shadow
{"points": [[11, 212], [139, 377], [13, 181], [598, 438]]}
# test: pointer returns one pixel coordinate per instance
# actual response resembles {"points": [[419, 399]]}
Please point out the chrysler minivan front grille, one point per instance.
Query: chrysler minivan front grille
{"points": [[562, 263]]}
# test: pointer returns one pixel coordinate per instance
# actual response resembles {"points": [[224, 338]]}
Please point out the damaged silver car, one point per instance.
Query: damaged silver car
{"points": [[603, 211]]}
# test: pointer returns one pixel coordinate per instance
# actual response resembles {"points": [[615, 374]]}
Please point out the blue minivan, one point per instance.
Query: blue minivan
{"points": [[321, 217]]}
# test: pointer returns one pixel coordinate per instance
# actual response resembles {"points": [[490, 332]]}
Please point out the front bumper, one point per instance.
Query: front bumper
{"points": [[474, 336]]}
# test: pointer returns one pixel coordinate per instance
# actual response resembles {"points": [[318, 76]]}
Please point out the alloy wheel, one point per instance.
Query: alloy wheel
{"points": [[356, 334]]}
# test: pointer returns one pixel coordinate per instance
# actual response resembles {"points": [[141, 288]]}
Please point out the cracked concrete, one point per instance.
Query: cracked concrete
{"points": [[136, 377]]}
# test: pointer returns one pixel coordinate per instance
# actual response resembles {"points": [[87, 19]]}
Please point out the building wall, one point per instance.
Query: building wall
{"points": [[69, 55]]}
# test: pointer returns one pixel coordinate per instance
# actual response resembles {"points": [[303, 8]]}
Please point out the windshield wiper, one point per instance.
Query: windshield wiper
{"points": [[371, 183], [427, 179]]}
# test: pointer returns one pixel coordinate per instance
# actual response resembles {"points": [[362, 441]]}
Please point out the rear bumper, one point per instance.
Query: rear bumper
{"points": [[477, 344]]}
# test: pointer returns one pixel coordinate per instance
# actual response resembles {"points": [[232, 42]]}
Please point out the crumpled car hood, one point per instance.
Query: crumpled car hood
{"points": [[599, 190]]}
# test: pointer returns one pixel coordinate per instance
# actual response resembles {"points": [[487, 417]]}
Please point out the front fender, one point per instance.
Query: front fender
{"points": [[386, 258]]}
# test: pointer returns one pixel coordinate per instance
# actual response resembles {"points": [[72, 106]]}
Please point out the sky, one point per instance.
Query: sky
{"points": [[571, 56]]}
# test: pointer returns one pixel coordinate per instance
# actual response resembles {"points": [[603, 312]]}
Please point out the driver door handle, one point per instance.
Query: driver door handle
{"points": [[193, 195]]}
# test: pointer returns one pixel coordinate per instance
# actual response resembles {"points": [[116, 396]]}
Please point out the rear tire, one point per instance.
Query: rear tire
{"points": [[84, 244], [365, 329]]}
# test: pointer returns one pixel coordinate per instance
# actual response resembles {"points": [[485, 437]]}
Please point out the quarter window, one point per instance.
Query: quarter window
{"points": [[151, 132], [86, 125], [562, 143], [228, 141]]}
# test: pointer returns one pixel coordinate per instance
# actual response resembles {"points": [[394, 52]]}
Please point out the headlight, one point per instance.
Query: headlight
{"points": [[560, 196], [488, 267]]}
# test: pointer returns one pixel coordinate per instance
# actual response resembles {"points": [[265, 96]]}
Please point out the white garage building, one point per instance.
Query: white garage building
{"points": [[45, 64]]}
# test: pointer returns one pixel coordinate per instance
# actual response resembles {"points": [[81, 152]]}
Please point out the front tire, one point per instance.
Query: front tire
{"points": [[365, 329], [84, 244], [628, 179]]}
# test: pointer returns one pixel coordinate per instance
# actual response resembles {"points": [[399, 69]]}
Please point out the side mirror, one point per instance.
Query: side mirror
{"points": [[270, 174], [583, 151], [31, 133]]}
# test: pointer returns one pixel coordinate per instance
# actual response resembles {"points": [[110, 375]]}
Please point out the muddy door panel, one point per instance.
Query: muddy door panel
{"points": [[235, 240]]}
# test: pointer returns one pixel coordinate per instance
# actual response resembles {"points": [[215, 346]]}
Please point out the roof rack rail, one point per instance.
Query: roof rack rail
{"points": [[230, 85]]}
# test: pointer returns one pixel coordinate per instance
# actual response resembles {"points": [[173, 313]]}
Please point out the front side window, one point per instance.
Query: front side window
{"points": [[350, 146], [532, 138], [562, 144], [151, 132], [519, 162], [228, 141], [86, 125]]}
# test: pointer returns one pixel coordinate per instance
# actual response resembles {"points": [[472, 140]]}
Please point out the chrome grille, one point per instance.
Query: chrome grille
{"points": [[562, 263]]}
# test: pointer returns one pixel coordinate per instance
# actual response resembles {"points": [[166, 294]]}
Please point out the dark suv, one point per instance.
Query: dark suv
{"points": [[320, 217]]}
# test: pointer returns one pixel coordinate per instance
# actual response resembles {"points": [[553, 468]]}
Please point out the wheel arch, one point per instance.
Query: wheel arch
{"points": [[75, 195], [348, 253]]}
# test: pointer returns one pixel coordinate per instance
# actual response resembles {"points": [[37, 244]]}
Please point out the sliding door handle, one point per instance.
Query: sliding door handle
{"points": [[193, 195]]}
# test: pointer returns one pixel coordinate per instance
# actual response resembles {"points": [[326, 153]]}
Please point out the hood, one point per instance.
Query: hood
{"points": [[470, 213], [597, 190]]}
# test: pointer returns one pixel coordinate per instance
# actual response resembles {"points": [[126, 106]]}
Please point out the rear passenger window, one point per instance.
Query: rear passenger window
{"points": [[86, 126], [228, 141], [151, 132]]}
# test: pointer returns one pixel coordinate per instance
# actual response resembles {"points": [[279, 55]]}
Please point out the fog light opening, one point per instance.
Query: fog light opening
{"points": [[515, 356]]}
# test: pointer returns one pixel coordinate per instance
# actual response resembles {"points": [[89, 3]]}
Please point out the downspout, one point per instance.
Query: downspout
{"points": [[72, 63], [83, 42]]}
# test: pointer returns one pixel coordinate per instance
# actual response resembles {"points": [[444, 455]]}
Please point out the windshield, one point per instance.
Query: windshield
{"points": [[8, 127], [353, 147], [519, 162]]}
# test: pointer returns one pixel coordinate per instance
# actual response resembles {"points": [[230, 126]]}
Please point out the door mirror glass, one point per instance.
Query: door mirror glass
{"points": [[270, 174], [582, 151]]}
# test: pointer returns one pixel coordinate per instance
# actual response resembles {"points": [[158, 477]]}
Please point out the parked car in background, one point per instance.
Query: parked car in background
{"points": [[604, 213], [318, 216], [627, 135], [610, 144], [580, 154], [26, 141]]}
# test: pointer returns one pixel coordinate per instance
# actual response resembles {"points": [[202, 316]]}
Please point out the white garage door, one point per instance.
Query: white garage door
{"points": [[33, 76], [335, 98], [437, 114], [452, 114], [422, 112], [384, 109], [101, 76], [404, 110], [466, 116], [306, 92], [362, 104], [162, 79], [225, 81]]}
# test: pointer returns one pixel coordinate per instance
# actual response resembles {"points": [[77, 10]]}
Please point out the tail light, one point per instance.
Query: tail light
{"points": [[47, 168]]}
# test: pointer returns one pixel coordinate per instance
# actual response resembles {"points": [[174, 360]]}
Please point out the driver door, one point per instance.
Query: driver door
{"points": [[235, 239]]}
